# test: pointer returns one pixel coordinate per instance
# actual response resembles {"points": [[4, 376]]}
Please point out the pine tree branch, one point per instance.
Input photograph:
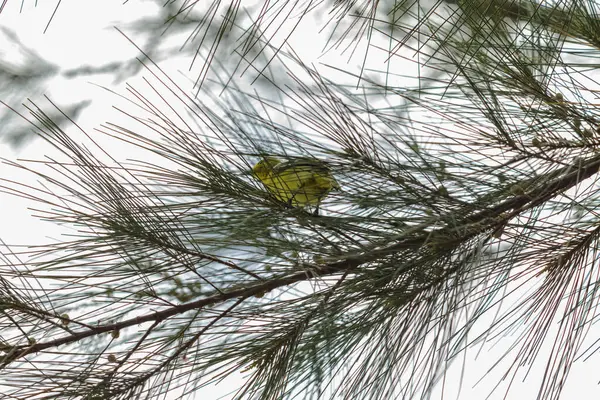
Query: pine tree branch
{"points": [[160, 316]]}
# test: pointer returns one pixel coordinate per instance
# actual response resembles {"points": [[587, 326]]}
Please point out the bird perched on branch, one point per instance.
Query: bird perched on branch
{"points": [[299, 182]]}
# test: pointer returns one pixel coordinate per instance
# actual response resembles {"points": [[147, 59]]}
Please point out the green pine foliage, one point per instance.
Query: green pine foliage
{"points": [[466, 212]]}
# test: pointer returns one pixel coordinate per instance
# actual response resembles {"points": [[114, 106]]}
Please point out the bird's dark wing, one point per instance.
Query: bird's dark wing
{"points": [[302, 164]]}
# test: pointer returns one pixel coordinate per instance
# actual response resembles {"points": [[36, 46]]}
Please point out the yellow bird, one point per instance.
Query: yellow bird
{"points": [[298, 182]]}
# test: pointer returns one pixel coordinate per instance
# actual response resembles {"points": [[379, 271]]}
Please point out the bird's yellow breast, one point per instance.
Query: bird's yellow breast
{"points": [[298, 182]]}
